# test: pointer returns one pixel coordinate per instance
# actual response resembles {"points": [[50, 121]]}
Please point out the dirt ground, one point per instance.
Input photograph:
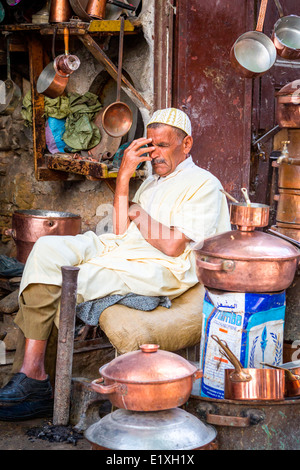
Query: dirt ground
{"points": [[13, 436]]}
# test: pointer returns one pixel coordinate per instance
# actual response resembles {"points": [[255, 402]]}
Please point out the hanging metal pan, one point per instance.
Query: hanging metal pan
{"points": [[117, 117], [286, 35], [254, 53], [10, 93], [51, 83]]}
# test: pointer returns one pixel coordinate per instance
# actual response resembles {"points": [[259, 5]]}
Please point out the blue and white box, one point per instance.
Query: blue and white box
{"points": [[252, 324]]}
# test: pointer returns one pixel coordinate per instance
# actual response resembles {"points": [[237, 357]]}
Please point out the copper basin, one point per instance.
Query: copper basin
{"points": [[29, 225], [147, 380]]}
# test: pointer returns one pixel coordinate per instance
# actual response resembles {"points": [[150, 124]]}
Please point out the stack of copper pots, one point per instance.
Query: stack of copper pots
{"points": [[148, 386], [247, 260], [288, 207]]}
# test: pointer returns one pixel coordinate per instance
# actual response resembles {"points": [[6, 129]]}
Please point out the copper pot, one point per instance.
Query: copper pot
{"points": [[253, 53], [245, 260], [288, 105], [292, 380], [286, 35], [288, 207], [248, 217], [249, 383], [147, 380], [29, 225]]}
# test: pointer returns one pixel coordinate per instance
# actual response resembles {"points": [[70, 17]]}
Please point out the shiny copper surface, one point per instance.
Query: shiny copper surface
{"points": [[288, 105], [29, 225], [253, 53], [288, 207], [60, 11], [96, 9], [50, 83], [247, 218], [292, 233], [286, 37], [147, 380], [245, 261], [117, 117], [289, 175], [292, 380], [265, 384]]}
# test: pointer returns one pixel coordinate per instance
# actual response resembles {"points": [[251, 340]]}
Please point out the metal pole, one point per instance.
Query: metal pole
{"points": [[65, 346]]}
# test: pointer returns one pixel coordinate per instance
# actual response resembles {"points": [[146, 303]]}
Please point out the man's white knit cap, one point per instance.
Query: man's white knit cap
{"points": [[173, 117]]}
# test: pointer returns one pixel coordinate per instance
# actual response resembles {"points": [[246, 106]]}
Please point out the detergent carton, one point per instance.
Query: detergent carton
{"points": [[252, 324]]}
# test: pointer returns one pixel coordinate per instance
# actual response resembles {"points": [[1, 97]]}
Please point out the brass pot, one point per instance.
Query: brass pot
{"points": [[288, 105], [29, 225], [147, 380]]}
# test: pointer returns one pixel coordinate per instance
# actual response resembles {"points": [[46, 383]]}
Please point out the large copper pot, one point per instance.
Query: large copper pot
{"points": [[29, 225], [288, 105], [147, 380], [246, 260]]}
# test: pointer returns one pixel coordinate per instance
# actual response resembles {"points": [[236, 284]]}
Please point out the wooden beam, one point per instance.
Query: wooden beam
{"points": [[100, 55]]}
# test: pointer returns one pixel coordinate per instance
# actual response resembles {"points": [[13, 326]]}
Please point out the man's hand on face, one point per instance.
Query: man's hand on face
{"points": [[133, 156]]}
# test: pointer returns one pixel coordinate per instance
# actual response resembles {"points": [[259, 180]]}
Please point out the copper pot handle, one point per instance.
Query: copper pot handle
{"points": [[104, 389], [233, 421], [197, 375], [10, 232], [221, 265]]}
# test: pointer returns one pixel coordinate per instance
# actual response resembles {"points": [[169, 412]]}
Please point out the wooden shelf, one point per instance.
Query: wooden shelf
{"points": [[50, 167], [81, 166]]}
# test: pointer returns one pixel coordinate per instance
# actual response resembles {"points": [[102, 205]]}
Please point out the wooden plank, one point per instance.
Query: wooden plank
{"points": [[38, 121], [100, 55], [70, 164]]}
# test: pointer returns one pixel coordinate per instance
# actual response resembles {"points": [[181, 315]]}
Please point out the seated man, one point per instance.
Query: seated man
{"points": [[150, 252]]}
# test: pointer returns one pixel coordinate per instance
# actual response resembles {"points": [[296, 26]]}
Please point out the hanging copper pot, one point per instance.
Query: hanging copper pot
{"points": [[253, 53], [147, 380], [286, 35]]}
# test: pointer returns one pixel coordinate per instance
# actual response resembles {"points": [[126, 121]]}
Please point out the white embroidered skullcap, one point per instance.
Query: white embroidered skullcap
{"points": [[173, 117]]}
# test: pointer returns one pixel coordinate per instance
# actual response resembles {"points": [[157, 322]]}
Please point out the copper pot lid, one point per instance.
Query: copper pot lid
{"points": [[238, 245], [148, 365], [290, 90]]}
